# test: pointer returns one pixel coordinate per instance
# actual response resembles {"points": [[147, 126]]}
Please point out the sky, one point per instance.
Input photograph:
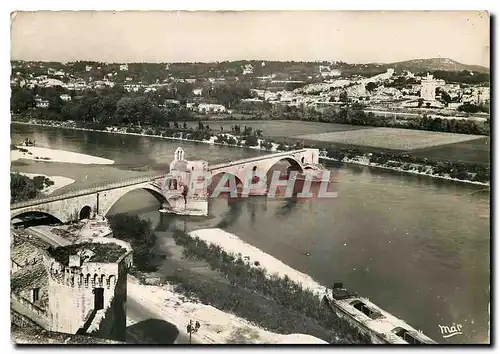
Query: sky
{"points": [[349, 36]]}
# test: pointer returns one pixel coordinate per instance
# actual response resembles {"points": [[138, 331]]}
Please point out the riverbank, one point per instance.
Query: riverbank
{"points": [[216, 327], [59, 182], [232, 244], [424, 168], [415, 171], [173, 288], [51, 155]]}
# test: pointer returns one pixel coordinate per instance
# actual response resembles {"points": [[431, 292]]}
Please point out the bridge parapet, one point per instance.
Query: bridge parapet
{"points": [[98, 187], [258, 158]]}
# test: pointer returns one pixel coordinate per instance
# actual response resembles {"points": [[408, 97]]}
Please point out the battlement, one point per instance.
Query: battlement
{"points": [[84, 277]]}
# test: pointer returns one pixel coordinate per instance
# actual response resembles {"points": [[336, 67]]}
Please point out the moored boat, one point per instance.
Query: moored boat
{"points": [[368, 318]]}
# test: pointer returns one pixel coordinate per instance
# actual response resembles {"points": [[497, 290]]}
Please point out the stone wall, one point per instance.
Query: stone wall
{"points": [[70, 293], [22, 321], [111, 323]]}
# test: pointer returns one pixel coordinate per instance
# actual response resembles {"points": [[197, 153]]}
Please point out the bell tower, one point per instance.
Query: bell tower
{"points": [[179, 154]]}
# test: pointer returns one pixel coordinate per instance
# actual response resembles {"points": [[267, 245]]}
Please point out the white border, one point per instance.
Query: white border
{"points": [[489, 5]]}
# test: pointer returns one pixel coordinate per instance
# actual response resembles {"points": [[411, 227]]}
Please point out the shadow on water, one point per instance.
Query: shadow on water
{"points": [[287, 208], [154, 331], [232, 215]]}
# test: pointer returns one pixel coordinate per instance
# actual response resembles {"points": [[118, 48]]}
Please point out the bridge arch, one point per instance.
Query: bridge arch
{"points": [[34, 216], [85, 212], [293, 165], [108, 204], [220, 177]]}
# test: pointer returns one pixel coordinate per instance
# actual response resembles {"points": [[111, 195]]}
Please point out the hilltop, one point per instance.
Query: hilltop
{"points": [[267, 67], [433, 64]]}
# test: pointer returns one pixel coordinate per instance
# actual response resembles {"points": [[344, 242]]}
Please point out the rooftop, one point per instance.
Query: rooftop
{"points": [[102, 252], [28, 277], [21, 250]]}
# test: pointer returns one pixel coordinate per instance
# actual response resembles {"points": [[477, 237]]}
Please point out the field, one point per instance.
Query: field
{"points": [[472, 151], [281, 128], [389, 138]]}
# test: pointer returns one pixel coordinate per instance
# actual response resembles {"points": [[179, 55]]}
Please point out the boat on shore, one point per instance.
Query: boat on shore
{"points": [[369, 319], [27, 142]]}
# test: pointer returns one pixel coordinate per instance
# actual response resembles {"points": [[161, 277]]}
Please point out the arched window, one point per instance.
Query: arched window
{"points": [[112, 280], [87, 280]]}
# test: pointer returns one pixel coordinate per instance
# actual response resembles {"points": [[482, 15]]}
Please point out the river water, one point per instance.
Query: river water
{"points": [[416, 246]]}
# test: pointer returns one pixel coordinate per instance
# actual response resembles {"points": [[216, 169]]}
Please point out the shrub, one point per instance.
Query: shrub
{"points": [[282, 290]]}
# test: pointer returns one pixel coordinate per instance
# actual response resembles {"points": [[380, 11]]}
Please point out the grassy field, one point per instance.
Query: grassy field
{"points": [[472, 151], [390, 138], [279, 128]]}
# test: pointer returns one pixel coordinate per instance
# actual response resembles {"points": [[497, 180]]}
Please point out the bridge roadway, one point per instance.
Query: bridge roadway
{"points": [[148, 178]]}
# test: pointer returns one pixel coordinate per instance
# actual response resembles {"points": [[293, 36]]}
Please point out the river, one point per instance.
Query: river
{"points": [[416, 246]]}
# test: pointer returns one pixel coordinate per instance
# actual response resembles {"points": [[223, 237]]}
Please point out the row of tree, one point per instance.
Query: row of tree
{"points": [[287, 293], [116, 106], [139, 233]]}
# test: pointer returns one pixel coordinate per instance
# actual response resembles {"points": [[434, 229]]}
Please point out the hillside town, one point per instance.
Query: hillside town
{"points": [[246, 89], [250, 177]]}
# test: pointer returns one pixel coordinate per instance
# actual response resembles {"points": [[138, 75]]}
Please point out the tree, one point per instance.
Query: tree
{"points": [[445, 97], [468, 108], [22, 188], [343, 96], [21, 99], [251, 140], [370, 86]]}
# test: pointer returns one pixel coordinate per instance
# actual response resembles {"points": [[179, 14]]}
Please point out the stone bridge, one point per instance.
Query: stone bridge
{"points": [[242, 169], [84, 203], [99, 200]]}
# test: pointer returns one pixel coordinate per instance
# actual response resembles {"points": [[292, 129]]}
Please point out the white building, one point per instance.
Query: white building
{"points": [[248, 69], [483, 95], [171, 102], [211, 108], [428, 87], [197, 92], [88, 67], [123, 67], [326, 71], [65, 97], [40, 103]]}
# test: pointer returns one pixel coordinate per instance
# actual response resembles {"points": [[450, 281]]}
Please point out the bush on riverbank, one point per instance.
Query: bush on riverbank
{"points": [[25, 188], [407, 162], [139, 233], [284, 291]]}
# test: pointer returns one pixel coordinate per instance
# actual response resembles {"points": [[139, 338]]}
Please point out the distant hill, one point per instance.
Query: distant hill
{"points": [[434, 64]]}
